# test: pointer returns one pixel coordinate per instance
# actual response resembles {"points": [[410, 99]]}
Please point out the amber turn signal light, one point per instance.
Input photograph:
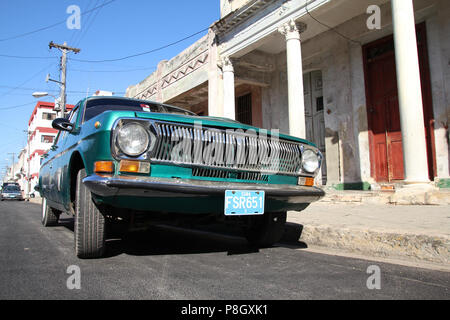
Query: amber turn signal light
{"points": [[306, 181], [131, 166], [104, 167]]}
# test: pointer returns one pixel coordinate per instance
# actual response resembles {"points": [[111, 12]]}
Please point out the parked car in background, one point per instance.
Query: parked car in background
{"points": [[6, 184], [135, 162], [11, 192]]}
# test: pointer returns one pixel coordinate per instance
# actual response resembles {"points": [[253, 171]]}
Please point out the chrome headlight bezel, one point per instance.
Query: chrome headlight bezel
{"points": [[123, 145], [314, 157]]}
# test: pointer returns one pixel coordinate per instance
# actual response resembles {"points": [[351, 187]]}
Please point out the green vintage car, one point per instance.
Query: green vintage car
{"points": [[127, 162]]}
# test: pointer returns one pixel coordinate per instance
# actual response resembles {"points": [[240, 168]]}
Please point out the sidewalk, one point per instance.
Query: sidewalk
{"points": [[412, 233]]}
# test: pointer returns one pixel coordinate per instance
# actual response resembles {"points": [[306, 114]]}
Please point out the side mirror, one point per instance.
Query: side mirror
{"points": [[62, 124]]}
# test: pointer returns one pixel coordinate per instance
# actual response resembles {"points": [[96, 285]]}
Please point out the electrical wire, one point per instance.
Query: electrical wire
{"points": [[54, 24], [113, 71], [142, 53], [26, 81], [88, 25], [47, 90], [329, 27], [18, 106], [25, 57], [76, 33]]}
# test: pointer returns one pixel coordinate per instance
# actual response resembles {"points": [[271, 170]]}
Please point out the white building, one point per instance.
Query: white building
{"points": [[41, 137], [367, 80]]}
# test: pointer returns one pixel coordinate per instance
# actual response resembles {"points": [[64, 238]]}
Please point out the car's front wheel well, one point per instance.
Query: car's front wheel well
{"points": [[76, 164]]}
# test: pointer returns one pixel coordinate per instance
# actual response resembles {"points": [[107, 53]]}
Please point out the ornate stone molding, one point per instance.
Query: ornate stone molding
{"points": [[239, 16], [292, 29], [187, 68], [226, 64], [150, 91]]}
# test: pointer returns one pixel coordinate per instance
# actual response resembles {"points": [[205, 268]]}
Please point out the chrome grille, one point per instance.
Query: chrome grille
{"points": [[233, 150], [220, 173]]}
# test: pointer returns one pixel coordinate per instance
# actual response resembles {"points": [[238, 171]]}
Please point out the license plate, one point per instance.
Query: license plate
{"points": [[243, 202]]}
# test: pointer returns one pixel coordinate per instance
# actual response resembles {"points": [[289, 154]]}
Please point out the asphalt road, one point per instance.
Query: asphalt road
{"points": [[171, 263]]}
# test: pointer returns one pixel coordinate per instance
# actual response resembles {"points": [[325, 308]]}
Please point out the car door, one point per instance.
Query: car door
{"points": [[48, 172], [69, 140]]}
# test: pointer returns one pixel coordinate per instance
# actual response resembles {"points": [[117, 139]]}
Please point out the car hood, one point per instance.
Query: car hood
{"points": [[209, 121]]}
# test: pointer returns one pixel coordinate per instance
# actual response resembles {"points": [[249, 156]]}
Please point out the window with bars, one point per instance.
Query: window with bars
{"points": [[244, 109], [48, 116], [47, 139]]}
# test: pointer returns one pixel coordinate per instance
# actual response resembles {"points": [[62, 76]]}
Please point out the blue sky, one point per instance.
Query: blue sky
{"points": [[117, 29]]}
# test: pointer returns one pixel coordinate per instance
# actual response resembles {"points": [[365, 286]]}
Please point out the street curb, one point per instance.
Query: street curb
{"points": [[440, 197], [412, 247]]}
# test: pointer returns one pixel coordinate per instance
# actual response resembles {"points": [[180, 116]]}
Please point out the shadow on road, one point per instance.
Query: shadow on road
{"points": [[167, 240]]}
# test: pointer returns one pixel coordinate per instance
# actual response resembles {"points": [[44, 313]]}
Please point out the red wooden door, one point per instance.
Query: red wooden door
{"points": [[383, 110], [383, 114]]}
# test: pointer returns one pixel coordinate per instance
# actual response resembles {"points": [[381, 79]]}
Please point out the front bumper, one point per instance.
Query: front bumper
{"points": [[109, 186], [8, 197]]}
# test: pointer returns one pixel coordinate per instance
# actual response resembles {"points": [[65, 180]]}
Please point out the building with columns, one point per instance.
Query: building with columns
{"points": [[368, 81]]}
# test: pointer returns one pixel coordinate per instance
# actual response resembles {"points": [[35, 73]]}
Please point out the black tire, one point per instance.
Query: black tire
{"points": [[264, 231], [89, 229], [50, 216]]}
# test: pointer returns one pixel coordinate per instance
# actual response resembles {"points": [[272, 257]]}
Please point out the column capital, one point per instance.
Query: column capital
{"points": [[292, 29], [226, 64]]}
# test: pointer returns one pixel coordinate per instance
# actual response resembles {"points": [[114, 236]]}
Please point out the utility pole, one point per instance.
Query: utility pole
{"points": [[28, 162], [64, 49]]}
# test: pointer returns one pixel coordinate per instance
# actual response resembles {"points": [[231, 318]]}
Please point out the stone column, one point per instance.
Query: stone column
{"points": [[291, 30], [409, 93], [228, 89]]}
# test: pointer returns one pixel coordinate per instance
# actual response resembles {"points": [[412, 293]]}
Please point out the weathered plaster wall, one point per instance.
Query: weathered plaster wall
{"points": [[438, 36], [343, 95]]}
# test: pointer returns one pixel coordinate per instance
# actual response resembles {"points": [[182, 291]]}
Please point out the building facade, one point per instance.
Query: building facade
{"points": [[41, 137], [368, 81]]}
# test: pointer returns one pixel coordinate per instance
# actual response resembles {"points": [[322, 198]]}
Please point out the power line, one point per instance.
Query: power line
{"points": [[113, 71], [25, 57], [142, 53], [77, 33], [26, 81], [327, 26], [48, 90], [18, 106], [54, 24], [116, 59], [88, 25]]}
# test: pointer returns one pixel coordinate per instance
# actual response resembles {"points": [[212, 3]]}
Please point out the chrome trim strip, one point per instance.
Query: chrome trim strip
{"points": [[114, 185]]}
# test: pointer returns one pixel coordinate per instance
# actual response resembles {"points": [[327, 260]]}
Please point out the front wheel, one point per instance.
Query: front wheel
{"points": [[50, 216], [90, 233], [265, 230]]}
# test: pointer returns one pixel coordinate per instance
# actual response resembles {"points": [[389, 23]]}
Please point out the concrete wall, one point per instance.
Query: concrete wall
{"points": [[438, 36]]}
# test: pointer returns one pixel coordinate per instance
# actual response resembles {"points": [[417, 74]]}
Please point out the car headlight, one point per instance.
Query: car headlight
{"points": [[133, 139], [310, 161]]}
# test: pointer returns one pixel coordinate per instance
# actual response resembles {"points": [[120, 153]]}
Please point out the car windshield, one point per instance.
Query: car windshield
{"points": [[96, 106], [11, 189]]}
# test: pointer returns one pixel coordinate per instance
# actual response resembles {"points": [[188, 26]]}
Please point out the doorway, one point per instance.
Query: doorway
{"points": [[385, 137], [314, 117]]}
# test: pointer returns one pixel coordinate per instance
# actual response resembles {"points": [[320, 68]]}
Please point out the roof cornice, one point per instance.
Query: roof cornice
{"points": [[239, 16]]}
